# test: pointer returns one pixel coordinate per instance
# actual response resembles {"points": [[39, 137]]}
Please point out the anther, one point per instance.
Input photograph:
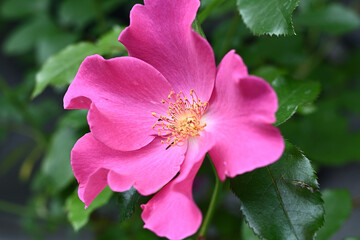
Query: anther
{"points": [[183, 118]]}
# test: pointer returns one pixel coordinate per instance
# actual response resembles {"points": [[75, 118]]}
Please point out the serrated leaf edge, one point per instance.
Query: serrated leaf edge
{"points": [[317, 189], [258, 34]]}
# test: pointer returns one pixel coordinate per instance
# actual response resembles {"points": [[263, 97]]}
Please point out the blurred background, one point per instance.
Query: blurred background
{"points": [[44, 41]]}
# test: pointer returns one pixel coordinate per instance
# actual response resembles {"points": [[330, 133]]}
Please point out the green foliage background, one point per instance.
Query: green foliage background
{"points": [[308, 50]]}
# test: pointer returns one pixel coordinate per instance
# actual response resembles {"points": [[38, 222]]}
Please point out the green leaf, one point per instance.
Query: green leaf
{"points": [[111, 5], [77, 214], [40, 33], [215, 9], [11, 8], [327, 129], [207, 7], [329, 135], [332, 18], [281, 201], [50, 45], [56, 164], [56, 167], [78, 13], [61, 68], [268, 16], [247, 233], [291, 94], [76, 118], [127, 202], [24, 38], [281, 51], [305, 5], [196, 26], [109, 44], [229, 34], [337, 206]]}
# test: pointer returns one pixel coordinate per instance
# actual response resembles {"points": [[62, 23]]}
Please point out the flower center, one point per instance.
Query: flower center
{"points": [[183, 118]]}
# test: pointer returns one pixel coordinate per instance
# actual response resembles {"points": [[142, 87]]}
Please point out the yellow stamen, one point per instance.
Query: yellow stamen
{"points": [[183, 118]]}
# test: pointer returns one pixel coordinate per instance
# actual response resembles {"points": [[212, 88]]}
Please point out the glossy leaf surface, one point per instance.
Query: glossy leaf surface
{"points": [[281, 201], [127, 202], [268, 16]]}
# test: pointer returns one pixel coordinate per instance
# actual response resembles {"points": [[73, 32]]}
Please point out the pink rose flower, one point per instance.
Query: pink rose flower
{"points": [[156, 113]]}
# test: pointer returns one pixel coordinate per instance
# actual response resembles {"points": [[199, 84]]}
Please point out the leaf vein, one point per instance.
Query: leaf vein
{"points": [[281, 202]]}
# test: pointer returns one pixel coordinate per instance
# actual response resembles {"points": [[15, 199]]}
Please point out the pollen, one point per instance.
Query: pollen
{"points": [[182, 119]]}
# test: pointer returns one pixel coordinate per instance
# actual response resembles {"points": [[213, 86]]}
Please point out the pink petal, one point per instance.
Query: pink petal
{"points": [[243, 147], [95, 165], [238, 95], [96, 183], [121, 94], [172, 212], [240, 114], [160, 34]]}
